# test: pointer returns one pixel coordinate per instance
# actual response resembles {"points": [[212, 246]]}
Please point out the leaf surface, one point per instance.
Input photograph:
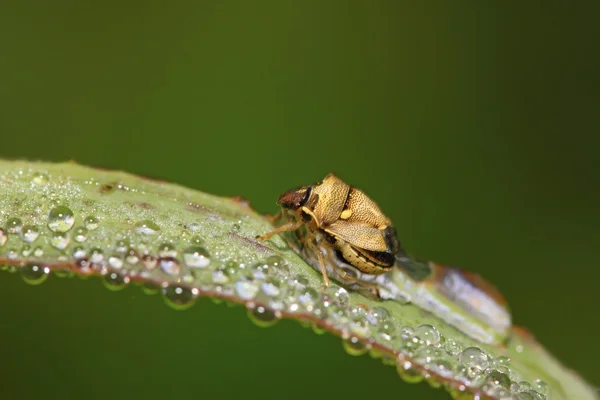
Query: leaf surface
{"points": [[76, 220]]}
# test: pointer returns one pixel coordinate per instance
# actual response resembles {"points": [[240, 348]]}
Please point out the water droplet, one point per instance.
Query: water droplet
{"points": [[83, 266], [39, 178], [473, 362], [407, 372], [150, 288], [115, 262], [96, 256], [14, 225], [500, 362], [263, 316], [387, 330], [80, 234], [247, 288], [474, 357], [132, 258], [271, 287], [60, 240], [26, 250], [377, 315], [196, 257], [428, 335], [61, 219], [167, 250], [38, 252], [452, 347], [91, 222], [354, 346], [276, 266], [179, 297], [338, 295], [540, 386], [170, 266], [115, 281], [307, 298], [194, 227], [221, 276], [3, 237], [63, 272], [147, 227], [299, 282], [496, 383], [31, 233], [148, 262], [34, 274], [122, 245]]}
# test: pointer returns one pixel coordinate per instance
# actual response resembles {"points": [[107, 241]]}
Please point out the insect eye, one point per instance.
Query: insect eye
{"points": [[295, 198]]}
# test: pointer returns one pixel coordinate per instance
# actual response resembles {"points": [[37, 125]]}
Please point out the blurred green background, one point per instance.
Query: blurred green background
{"points": [[474, 126]]}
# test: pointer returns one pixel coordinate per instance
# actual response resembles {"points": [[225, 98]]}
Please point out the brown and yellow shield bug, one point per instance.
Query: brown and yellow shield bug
{"points": [[346, 219], [344, 234]]}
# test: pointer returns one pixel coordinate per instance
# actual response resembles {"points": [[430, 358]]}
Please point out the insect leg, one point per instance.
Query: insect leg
{"points": [[322, 264], [372, 287], [289, 226]]}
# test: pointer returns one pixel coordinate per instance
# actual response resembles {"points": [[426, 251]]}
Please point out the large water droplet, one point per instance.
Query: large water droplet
{"points": [[354, 346], [34, 274], [540, 386], [179, 297], [167, 250], [377, 315], [115, 262], [263, 316], [14, 225], [96, 256], [115, 281], [221, 276], [80, 234], [39, 178], [196, 257], [122, 245], [247, 288], [271, 287], [148, 261], [147, 227], [338, 295], [60, 240], [497, 384], [307, 298], [170, 266], [474, 357], [31, 233], [407, 372], [150, 288], [61, 219], [428, 335], [91, 222]]}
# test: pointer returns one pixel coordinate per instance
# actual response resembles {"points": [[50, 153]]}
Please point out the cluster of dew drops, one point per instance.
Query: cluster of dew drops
{"points": [[269, 289]]}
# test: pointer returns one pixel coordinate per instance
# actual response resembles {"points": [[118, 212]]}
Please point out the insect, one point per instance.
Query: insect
{"points": [[346, 219], [344, 234]]}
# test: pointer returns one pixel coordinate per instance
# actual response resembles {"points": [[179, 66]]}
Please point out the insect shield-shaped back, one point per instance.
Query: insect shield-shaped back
{"points": [[363, 235]]}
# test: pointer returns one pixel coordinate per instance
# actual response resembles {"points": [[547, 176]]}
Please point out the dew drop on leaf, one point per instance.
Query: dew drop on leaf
{"points": [[61, 219]]}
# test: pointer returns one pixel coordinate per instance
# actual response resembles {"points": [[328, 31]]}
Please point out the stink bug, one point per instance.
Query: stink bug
{"points": [[344, 234], [346, 219]]}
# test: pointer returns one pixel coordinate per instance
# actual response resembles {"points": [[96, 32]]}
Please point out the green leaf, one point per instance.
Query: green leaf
{"points": [[75, 220]]}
